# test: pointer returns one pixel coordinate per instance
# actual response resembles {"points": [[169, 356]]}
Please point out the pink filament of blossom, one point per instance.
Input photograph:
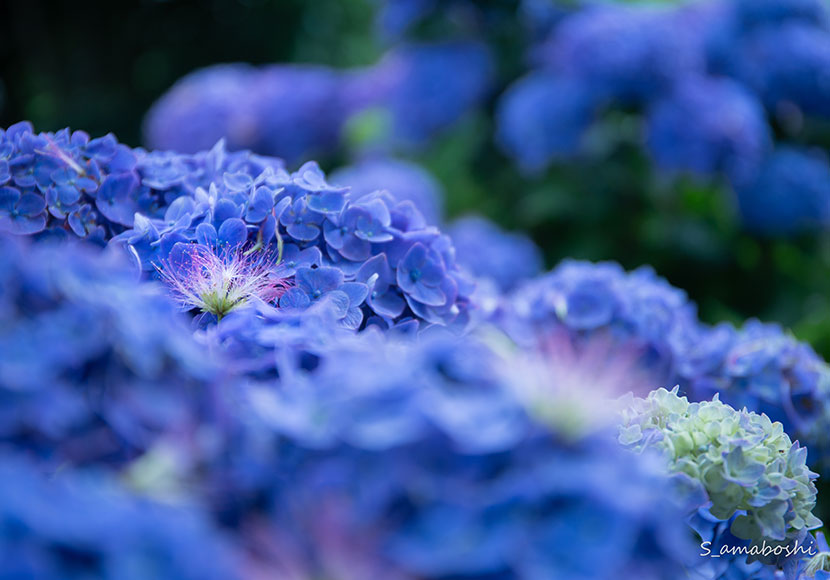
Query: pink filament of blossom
{"points": [[233, 275], [597, 365]]}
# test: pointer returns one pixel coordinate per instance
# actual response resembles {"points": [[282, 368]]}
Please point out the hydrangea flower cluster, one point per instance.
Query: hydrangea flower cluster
{"points": [[76, 526], [377, 254], [760, 367], [397, 18], [364, 454], [96, 368], [261, 109], [788, 194], [399, 459], [414, 92], [746, 464], [406, 181], [420, 89], [401, 451], [596, 307], [506, 258], [66, 181], [66, 184], [374, 250], [636, 312], [708, 81]]}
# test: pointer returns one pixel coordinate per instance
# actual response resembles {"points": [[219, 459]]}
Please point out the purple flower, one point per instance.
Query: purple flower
{"points": [[260, 205], [293, 257], [300, 222], [322, 197], [114, 198], [361, 225], [313, 284], [64, 173], [21, 214], [326, 284], [421, 275], [384, 298]]}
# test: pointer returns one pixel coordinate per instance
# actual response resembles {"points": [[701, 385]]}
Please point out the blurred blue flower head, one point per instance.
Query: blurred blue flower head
{"points": [[636, 312], [288, 111], [790, 193], [626, 53], [464, 481], [543, 118], [507, 258], [404, 180], [709, 127], [424, 88], [763, 368], [97, 366], [75, 526]]}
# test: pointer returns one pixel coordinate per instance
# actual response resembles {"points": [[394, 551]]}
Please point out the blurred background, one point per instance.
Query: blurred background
{"points": [[644, 133]]}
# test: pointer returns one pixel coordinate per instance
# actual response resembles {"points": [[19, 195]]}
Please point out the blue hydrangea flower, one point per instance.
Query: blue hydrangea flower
{"points": [[75, 526], [508, 258], [790, 193], [396, 20], [708, 126], [66, 183], [383, 298], [405, 181], [764, 369], [353, 232], [425, 88], [784, 64], [293, 257], [637, 312], [202, 108], [420, 275], [543, 117], [21, 214], [628, 53], [402, 459], [239, 200], [311, 285], [287, 111], [96, 367]]}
